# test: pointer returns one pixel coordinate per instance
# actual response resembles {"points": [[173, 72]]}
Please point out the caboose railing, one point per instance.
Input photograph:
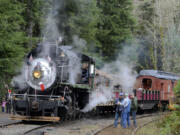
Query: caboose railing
{"points": [[147, 94]]}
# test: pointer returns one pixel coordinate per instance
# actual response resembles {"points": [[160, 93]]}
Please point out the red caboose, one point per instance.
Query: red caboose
{"points": [[154, 88]]}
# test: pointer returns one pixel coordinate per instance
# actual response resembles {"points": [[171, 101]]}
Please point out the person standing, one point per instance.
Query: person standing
{"points": [[8, 103], [3, 105], [125, 104], [119, 109], [128, 110], [134, 107]]}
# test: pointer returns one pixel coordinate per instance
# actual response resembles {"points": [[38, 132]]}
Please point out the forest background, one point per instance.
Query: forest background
{"points": [[150, 27]]}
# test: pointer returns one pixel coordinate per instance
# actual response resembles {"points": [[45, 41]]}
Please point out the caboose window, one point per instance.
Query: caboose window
{"points": [[147, 83]]}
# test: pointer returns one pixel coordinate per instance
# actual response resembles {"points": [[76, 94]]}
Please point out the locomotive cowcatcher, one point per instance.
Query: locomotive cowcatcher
{"points": [[58, 82]]}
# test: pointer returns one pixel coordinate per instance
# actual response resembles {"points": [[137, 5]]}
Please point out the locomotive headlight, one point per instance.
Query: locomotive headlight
{"points": [[37, 74], [40, 74]]}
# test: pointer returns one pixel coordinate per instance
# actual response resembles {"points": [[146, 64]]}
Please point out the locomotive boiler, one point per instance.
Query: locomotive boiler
{"points": [[58, 83]]}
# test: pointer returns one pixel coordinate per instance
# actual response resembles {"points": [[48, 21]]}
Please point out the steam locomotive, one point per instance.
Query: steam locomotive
{"points": [[59, 81]]}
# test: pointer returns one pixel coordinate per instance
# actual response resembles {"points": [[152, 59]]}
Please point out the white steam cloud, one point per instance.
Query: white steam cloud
{"points": [[50, 31], [79, 43], [19, 81], [119, 72], [123, 74], [101, 95], [74, 65]]}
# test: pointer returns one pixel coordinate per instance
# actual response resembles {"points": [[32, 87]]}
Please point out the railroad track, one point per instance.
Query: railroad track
{"points": [[9, 124], [37, 128], [143, 125], [19, 125], [31, 129], [138, 117]]}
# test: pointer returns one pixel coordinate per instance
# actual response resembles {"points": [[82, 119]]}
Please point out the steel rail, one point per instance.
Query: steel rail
{"points": [[140, 117], [36, 128], [9, 124], [143, 125]]}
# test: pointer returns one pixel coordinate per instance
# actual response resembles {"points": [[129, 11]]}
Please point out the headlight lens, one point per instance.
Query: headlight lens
{"points": [[37, 74]]}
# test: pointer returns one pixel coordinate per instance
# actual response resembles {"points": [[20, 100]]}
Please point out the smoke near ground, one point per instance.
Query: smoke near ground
{"points": [[123, 74], [120, 72], [101, 95]]}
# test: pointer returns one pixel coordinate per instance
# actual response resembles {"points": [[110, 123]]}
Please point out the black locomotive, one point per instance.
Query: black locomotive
{"points": [[59, 81]]}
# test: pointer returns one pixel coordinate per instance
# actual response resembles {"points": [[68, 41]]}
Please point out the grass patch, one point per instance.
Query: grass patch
{"points": [[150, 129]]}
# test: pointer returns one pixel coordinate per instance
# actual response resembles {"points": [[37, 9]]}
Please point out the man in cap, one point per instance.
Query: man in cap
{"points": [[128, 109], [126, 104], [119, 109], [134, 107]]}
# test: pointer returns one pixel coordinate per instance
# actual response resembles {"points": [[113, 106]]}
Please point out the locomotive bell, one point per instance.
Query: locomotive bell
{"points": [[40, 71]]}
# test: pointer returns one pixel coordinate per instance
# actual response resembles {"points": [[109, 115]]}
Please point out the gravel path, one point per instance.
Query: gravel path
{"points": [[5, 118], [16, 129], [128, 131], [78, 127], [85, 126]]}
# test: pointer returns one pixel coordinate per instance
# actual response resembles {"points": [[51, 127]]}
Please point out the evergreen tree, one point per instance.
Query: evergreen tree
{"points": [[148, 58], [83, 22], [12, 39], [33, 14], [115, 27], [78, 18]]}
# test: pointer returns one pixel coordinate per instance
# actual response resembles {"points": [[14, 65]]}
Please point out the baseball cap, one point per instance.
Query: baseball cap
{"points": [[121, 94]]}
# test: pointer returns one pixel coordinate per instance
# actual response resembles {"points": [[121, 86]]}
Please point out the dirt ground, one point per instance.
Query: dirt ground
{"points": [[121, 131], [5, 118], [79, 127]]}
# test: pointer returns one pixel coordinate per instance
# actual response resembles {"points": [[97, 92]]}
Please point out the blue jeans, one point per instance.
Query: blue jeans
{"points": [[128, 119], [3, 109], [117, 115], [124, 119], [134, 117]]}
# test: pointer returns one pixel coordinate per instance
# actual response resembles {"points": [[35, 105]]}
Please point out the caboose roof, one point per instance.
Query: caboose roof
{"points": [[159, 74]]}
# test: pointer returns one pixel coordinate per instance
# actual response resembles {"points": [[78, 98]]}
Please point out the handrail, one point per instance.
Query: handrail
{"points": [[30, 95]]}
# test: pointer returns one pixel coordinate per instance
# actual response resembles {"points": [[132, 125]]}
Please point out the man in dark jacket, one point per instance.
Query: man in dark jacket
{"points": [[134, 106], [8, 103], [119, 109]]}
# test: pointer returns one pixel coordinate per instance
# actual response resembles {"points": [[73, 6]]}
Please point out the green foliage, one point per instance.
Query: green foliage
{"points": [[78, 18], [12, 39], [32, 14], [148, 49], [84, 20], [171, 123], [177, 88], [115, 26]]}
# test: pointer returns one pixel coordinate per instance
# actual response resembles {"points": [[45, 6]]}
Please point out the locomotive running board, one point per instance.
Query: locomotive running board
{"points": [[35, 118]]}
